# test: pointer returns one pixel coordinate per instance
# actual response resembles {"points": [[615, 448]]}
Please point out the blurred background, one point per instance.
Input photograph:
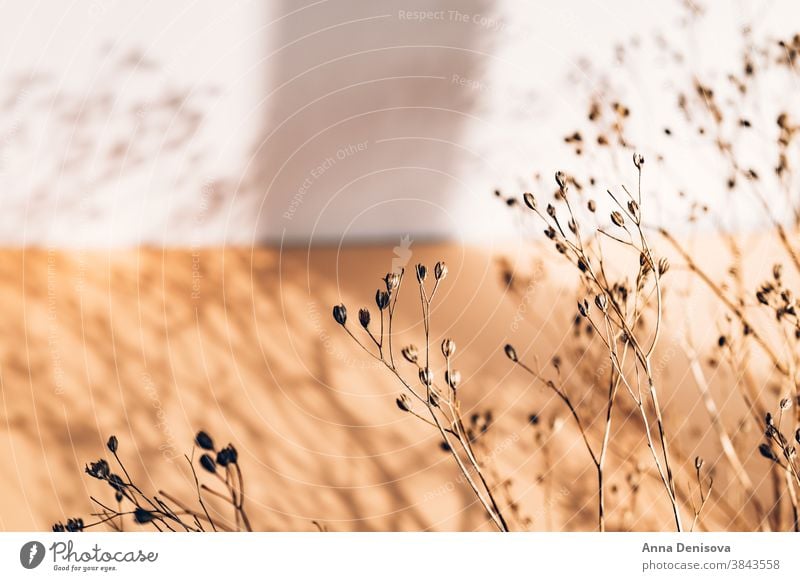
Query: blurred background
{"points": [[188, 186], [201, 123]]}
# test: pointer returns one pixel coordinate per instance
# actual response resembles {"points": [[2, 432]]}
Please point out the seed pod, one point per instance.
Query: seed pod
{"points": [[453, 378], [601, 302], [404, 402], [529, 200], [551, 210], [207, 462], [617, 219], [113, 444], [410, 353], [511, 353], [203, 440], [583, 308], [785, 403], [340, 314], [425, 376], [433, 398], [232, 453], [381, 299], [561, 180], [422, 273], [550, 232], [767, 452], [573, 226], [448, 347], [592, 205], [364, 317], [663, 266], [768, 419], [797, 436], [392, 280], [698, 462], [633, 208], [228, 455], [638, 160], [440, 270], [116, 482], [142, 516], [99, 469]]}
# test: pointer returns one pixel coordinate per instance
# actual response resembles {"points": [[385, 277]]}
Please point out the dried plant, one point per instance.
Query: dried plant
{"points": [[614, 306], [162, 511], [431, 400]]}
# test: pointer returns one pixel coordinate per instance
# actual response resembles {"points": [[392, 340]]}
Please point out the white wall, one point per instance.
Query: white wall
{"points": [[202, 122]]}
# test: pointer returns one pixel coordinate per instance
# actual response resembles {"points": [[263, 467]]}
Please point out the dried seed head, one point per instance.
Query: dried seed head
{"points": [[453, 378], [633, 208], [768, 419], [422, 273], [592, 205], [113, 444], [426, 376], [142, 516], [404, 402], [550, 232], [529, 200], [203, 440], [381, 299], [411, 353], [638, 160], [116, 482], [777, 271], [617, 219], [785, 403], [601, 302], [364, 317], [511, 353], [698, 462], [433, 398], [797, 436], [551, 211], [340, 314], [583, 308], [448, 347], [663, 266], [767, 452], [392, 280], [228, 455], [99, 469], [561, 180], [207, 462], [573, 226], [440, 270]]}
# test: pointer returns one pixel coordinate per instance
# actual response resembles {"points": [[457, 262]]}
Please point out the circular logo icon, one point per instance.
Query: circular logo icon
{"points": [[31, 554]]}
